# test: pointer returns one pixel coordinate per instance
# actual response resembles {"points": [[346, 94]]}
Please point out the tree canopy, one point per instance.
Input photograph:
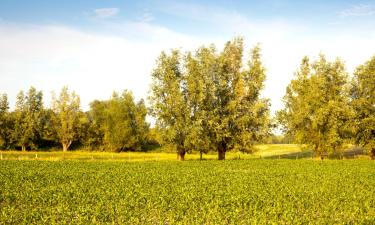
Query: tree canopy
{"points": [[209, 100], [316, 105]]}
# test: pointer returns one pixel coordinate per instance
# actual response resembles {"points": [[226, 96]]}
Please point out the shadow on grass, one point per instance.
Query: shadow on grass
{"points": [[348, 154]]}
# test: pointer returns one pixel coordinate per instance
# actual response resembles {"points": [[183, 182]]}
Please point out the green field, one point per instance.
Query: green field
{"points": [[267, 151], [193, 192]]}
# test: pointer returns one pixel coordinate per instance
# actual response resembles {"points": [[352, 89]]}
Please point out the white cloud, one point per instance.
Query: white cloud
{"points": [[358, 10], [106, 12], [95, 64], [49, 57]]}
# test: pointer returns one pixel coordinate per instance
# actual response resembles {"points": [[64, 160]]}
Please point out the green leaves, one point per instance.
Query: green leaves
{"points": [[67, 117], [28, 124], [209, 101], [317, 108], [121, 122], [362, 94]]}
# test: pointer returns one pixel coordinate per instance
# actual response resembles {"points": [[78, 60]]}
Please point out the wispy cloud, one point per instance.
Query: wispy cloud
{"points": [[358, 10], [106, 12], [147, 16]]}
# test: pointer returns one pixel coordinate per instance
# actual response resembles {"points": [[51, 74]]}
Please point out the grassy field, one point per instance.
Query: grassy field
{"points": [[193, 192], [263, 151], [269, 151]]}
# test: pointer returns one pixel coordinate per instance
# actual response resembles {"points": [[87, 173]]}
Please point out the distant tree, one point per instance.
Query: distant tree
{"points": [[316, 106], [67, 115], [5, 122], [363, 101], [28, 118], [121, 122]]}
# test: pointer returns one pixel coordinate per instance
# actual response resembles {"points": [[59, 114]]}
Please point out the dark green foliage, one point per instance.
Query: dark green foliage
{"points": [[206, 192], [119, 123], [28, 121], [363, 101], [5, 123]]}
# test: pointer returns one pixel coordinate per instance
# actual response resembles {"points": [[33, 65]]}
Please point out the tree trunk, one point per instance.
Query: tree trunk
{"points": [[221, 151], [181, 155], [66, 146], [373, 154], [200, 156], [23, 148]]}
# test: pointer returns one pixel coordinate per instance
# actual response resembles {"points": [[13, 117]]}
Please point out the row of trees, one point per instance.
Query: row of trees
{"points": [[115, 124], [207, 100]]}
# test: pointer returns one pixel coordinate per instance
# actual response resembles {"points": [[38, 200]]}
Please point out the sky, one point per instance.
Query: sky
{"points": [[96, 47]]}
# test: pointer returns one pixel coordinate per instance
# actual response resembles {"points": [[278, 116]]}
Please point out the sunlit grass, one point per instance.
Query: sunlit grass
{"points": [[291, 151]]}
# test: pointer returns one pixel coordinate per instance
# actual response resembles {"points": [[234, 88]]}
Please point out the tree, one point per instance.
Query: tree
{"points": [[67, 117], [5, 122], [316, 106], [200, 68], [227, 108], [208, 101], [121, 122], [168, 102], [28, 118], [363, 101]]}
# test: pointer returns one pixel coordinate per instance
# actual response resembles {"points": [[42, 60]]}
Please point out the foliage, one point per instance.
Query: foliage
{"points": [[363, 101], [316, 106], [67, 114], [5, 122], [208, 101], [120, 123], [168, 101], [28, 123], [206, 192]]}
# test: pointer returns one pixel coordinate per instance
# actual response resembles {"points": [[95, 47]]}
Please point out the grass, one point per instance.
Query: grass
{"points": [[272, 151], [193, 192]]}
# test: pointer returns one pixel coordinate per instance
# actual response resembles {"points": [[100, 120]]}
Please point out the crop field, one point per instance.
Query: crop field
{"points": [[193, 192]]}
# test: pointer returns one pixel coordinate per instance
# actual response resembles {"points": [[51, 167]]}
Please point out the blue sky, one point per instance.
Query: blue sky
{"points": [[96, 47]]}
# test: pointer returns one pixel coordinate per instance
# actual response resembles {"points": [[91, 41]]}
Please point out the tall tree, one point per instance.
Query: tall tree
{"points": [[316, 105], [168, 101], [240, 117], [363, 101], [200, 89], [67, 117], [28, 118], [209, 101], [5, 122]]}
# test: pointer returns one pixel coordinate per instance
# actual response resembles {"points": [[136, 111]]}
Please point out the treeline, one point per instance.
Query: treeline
{"points": [[206, 100], [209, 101], [116, 124]]}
